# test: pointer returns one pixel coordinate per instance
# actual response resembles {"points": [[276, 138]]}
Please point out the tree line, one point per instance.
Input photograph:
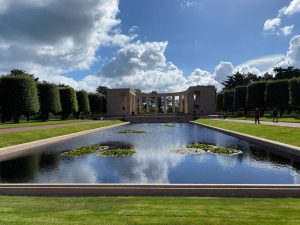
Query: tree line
{"points": [[280, 94], [22, 94]]}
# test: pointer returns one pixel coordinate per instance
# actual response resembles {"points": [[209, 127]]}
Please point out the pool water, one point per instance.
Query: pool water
{"points": [[154, 161]]}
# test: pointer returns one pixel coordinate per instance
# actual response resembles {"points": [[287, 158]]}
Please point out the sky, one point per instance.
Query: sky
{"points": [[157, 45]]}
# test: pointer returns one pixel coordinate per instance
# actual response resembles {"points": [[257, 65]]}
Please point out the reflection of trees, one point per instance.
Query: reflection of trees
{"points": [[275, 158], [22, 169], [49, 161]]}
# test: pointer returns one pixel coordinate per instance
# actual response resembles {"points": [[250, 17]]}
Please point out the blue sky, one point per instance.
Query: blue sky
{"points": [[147, 44]]}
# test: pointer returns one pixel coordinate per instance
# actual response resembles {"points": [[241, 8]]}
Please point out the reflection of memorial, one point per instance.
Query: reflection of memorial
{"points": [[195, 100]]}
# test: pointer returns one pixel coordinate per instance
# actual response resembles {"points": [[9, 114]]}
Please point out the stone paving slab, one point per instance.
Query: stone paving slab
{"points": [[205, 190]]}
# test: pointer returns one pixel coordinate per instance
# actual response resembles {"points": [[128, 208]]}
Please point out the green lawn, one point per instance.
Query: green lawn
{"points": [[39, 123], [148, 210], [284, 118], [20, 137], [288, 135]]}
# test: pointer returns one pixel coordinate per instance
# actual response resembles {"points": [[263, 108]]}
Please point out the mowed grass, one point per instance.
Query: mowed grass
{"points": [[20, 137], [288, 135], [284, 118], [147, 210], [39, 123]]}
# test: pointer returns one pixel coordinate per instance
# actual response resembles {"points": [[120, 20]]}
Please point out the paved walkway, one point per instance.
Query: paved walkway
{"points": [[281, 124], [44, 127]]}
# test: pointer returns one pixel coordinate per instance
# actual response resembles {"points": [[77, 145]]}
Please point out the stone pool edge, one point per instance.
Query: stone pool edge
{"points": [[278, 146], [166, 190], [16, 150]]}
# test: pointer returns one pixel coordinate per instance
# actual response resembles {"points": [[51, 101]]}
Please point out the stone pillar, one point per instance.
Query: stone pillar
{"points": [[173, 103], [186, 104], [148, 106], [140, 104], [156, 104], [165, 105], [180, 103]]}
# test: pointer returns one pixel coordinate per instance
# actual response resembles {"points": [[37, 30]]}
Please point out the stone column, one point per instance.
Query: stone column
{"points": [[140, 104], [165, 105], [173, 103], [156, 104], [148, 106], [185, 104], [180, 103]]}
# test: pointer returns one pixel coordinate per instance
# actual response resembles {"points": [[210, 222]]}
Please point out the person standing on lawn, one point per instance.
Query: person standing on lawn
{"points": [[275, 115], [257, 115]]}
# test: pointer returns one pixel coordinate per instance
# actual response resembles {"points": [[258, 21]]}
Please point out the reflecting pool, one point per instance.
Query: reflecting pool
{"points": [[154, 161]]}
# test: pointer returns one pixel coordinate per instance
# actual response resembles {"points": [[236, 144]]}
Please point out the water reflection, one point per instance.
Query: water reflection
{"points": [[153, 163]]}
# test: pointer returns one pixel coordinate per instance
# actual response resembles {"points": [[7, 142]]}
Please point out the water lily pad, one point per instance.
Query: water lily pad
{"points": [[84, 150], [169, 125], [200, 148], [131, 132], [117, 152]]}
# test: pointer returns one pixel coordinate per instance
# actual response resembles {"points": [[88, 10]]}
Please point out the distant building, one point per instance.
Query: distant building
{"points": [[195, 100]]}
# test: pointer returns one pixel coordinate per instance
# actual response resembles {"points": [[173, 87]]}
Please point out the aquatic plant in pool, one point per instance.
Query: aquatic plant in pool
{"points": [[118, 152], [200, 148], [131, 132], [169, 125], [84, 150]]}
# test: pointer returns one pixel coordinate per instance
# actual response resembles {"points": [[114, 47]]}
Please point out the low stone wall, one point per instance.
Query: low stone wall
{"points": [[70, 190]]}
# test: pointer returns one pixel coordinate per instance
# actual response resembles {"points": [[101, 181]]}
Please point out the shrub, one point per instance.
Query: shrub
{"points": [[295, 92], [256, 95], [83, 102], [228, 100], [19, 95], [49, 99], [220, 102], [68, 101], [240, 98], [277, 94]]}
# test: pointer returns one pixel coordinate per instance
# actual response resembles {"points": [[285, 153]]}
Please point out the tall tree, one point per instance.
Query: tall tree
{"points": [[19, 96], [49, 99], [97, 103], [102, 90], [240, 98], [228, 100], [256, 95], [68, 101], [295, 92], [83, 102]]}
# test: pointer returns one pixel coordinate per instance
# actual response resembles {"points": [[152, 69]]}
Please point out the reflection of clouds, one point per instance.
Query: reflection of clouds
{"points": [[74, 171], [145, 167], [227, 161], [296, 177]]}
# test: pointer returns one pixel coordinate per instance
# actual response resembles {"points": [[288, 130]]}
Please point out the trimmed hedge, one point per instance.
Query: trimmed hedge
{"points": [[49, 99], [19, 96], [83, 102], [68, 101], [277, 94], [97, 102], [219, 106], [256, 95], [295, 92], [228, 100], [240, 97]]}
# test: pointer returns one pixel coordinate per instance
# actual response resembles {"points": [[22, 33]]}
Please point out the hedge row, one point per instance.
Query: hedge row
{"points": [[280, 94], [23, 95]]}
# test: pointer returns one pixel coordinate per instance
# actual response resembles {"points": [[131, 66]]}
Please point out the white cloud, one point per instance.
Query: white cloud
{"points": [[287, 30], [271, 24], [191, 3], [293, 55], [59, 34], [223, 70], [292, 8]]}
